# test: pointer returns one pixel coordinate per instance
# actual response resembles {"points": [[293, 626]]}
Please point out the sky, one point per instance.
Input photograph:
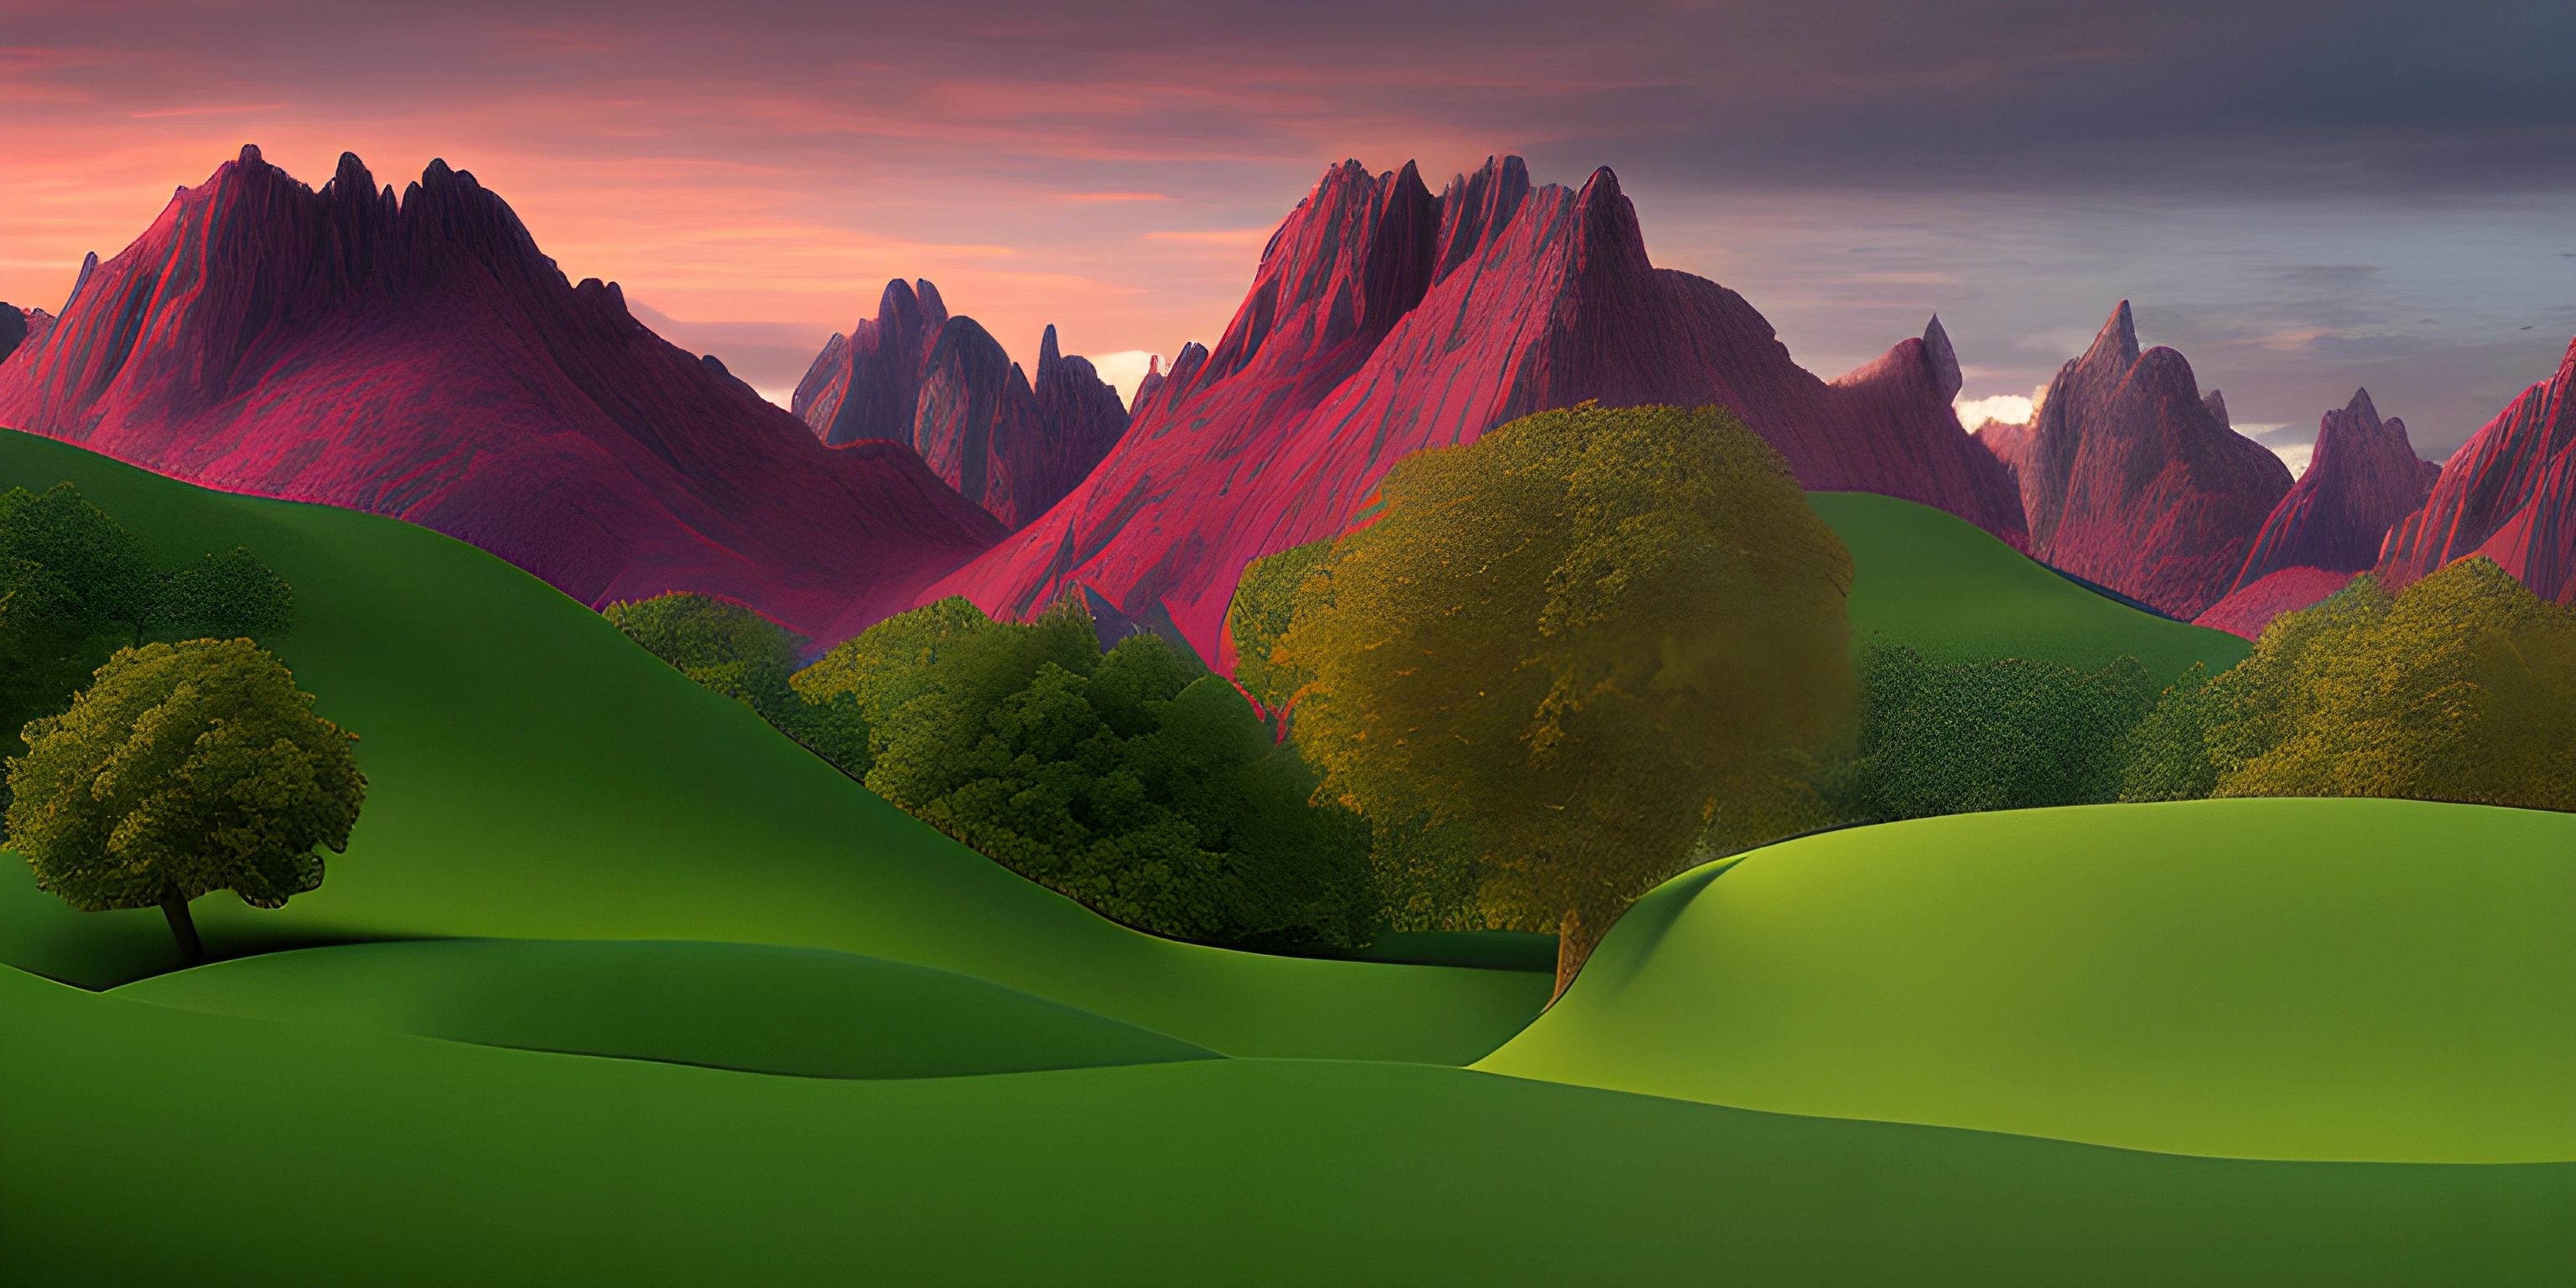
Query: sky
{"points": [[2301, 196]]}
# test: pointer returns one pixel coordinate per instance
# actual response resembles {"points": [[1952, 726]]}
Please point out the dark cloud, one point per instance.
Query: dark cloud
{"points": [[2292, 190]]}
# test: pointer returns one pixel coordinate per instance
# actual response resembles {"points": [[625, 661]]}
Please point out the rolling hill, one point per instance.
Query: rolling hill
{"points": [[2320, 979], [802, 1011], [536, 776], [269, 1153], [1949, 590]]}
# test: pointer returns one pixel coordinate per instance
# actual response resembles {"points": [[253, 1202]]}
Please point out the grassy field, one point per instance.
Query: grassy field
{"points": [[255, 1152], [1950, 590], [617, 985], [535, 775], [801, 1011], [2351, 979]]}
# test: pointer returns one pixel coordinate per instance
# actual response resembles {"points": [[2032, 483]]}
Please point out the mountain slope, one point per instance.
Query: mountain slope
{"points": [[2131, 479], [2362, 478], [1382, 320], [419, 357], [2509, 493]]}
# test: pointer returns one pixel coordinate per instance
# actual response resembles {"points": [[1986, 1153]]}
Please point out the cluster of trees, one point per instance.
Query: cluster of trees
{"points": [[1130, 779], [152, 773], [2460, 688], [1561, 664]]}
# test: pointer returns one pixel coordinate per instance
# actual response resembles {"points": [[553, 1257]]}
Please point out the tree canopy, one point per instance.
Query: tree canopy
{"points": [[184, 769], [1602, 640], [2012, 733], [2460, 688], [1132, 781]]}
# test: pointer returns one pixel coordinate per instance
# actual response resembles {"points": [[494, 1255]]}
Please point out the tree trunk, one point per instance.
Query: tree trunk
{"points": [[1576, 936], [183, 928]]}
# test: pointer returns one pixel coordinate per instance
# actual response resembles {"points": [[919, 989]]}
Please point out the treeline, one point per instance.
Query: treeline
{"points": [[1130, 779], [1576, 657], [2460, 688]]}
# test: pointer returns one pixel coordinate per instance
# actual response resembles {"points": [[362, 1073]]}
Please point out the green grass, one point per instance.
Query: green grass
{"points": [[798, 1011], [180, 1147], [1951, 591], [535, 775], [2347, 979]]}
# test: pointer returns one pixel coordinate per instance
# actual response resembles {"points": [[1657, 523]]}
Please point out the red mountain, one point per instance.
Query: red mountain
{"points": [[913, 374], [2130, 478], [2363, 477], [420, 358], [2509, 493], [1384, 319]]}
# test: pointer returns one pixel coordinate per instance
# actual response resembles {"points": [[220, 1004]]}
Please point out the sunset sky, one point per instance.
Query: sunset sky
{"points": [[2300, 196]]}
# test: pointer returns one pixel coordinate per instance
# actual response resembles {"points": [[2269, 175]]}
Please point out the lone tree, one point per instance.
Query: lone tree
{"points": [[184, 769], [1598, 639]]}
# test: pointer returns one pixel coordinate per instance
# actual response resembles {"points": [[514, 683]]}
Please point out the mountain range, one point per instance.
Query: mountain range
{"points": [[1383, 319], [417, 355]]}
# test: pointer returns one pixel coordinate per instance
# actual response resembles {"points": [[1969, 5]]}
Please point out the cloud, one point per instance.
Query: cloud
{"points": [[2011, 409], [1123, 370]]}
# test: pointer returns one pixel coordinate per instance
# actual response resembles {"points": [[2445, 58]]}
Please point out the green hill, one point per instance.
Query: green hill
{"points": [[800, 1011], [535, 775], [257, 1152], [2323, 979], [1950, 590]]}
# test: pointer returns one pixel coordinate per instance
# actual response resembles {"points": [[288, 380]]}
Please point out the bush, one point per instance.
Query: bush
{"points": [[1131, 781], [1960, 737]]}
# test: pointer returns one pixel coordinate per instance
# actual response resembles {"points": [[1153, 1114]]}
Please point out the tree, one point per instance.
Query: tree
{"points": [[1132, 781], [2013, 733], [231, 595], [1600, 639], [1265, 603], [2460, 688], [102, 564], [184, 769], [73, 585]]}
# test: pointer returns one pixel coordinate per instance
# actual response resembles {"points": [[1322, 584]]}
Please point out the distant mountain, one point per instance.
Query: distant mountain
{"points": [[20, 326], [421, 358], [914, 374], [2131, 478], [2509, 493], [2363, 477], [1383, 319]]}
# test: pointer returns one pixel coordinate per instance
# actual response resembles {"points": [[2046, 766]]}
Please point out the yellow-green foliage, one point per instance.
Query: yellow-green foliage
{"points": [[2461, 688], [186, 768], [1265, 601], [1595, 637]]}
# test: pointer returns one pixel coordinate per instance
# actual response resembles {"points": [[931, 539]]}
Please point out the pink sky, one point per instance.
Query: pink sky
{"points": [[2301, 196]]}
